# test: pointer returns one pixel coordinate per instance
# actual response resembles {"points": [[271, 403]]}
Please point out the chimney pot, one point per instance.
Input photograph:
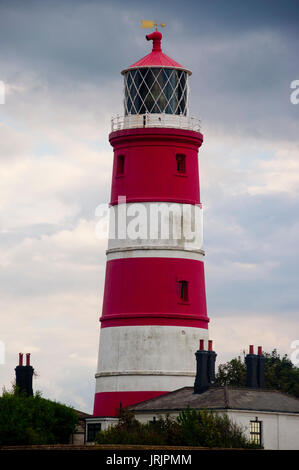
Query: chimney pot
{"points": [[201, 345], [27, 359], [260, 350], [20, 359], [251, 349], [210, 345]]}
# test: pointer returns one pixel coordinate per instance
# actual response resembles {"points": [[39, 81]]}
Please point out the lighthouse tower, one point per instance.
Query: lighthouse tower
{"points": [[154, 307]]}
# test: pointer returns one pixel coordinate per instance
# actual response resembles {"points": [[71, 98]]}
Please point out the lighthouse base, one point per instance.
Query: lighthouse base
{"points": [[165, 362]]}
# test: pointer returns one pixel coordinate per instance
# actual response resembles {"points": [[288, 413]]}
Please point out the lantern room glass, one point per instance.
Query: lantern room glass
{"points": [[156, 90]]}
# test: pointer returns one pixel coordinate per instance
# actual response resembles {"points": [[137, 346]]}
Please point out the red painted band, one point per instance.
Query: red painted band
{"points": [[156, 134], [108, 403], [155, 319], [147, 291], [146, 168]]}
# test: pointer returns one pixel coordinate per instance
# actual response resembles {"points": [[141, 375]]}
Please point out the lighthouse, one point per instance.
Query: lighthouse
{"points": [[154, 306]]}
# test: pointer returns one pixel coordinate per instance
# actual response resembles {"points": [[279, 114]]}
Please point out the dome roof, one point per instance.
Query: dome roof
{"points": [[156, 58]]}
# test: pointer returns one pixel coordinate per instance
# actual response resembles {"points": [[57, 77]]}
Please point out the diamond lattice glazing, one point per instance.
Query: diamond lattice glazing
{"points": [[156, 90]]}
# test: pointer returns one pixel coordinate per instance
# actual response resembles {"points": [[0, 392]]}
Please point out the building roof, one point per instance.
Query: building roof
{"points": [[82, 414], [220, 398], [156, 58]]}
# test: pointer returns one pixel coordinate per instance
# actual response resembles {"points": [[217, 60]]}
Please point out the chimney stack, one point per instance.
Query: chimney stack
{"points": [[261, 368], [251, 364], [255, 364], [205, 370], [24, 376]]}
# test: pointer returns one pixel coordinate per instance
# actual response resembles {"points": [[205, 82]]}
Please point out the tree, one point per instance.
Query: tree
{"points": [[34, 420], [280, 373], [232, 373]]}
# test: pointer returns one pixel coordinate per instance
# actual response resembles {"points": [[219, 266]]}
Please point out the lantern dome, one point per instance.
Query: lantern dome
{"points": [[156, 58]]}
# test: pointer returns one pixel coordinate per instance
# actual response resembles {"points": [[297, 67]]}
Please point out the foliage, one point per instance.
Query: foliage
{"points": [[232, 373], [280, 373], [190, 428], [34, 420]]}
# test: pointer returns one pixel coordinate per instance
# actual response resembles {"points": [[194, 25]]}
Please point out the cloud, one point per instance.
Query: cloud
{"points": [[232, 334], [61, 331]]}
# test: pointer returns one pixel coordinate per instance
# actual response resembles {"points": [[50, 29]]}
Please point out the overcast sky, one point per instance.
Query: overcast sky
{"points": [[60, 62]]}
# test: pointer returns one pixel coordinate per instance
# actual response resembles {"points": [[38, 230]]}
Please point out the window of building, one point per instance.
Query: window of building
{"points": [[92, 431], [120, 167], [183, 291], [181, 163], [256, 432]]}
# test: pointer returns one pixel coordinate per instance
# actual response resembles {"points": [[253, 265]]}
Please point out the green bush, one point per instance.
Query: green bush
{"points": [[190, 428], [34, 420]]}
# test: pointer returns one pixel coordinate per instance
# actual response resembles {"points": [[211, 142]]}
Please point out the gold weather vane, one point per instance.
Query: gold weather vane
{"points": [[148, 24]]}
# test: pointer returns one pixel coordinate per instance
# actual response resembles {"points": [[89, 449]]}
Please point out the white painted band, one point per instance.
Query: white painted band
{"points": [[162, 383], [152, 354], [156, 224], [154, 253], [144, 372]]}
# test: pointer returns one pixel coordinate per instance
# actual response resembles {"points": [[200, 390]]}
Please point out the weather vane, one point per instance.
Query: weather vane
{"points": [[151, 24]]}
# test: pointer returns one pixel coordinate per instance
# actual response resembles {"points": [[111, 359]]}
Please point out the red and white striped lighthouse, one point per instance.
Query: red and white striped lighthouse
{"points": [[154, 307]]}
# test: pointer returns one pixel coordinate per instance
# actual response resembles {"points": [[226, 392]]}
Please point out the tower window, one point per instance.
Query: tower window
{"points": [[120, 167], [181, 163], [183, 291], [256, 432]]}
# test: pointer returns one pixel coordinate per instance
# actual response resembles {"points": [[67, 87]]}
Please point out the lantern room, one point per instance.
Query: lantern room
{"points": [[156, 84]]}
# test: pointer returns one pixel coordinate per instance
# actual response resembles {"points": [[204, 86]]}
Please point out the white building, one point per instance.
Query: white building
{"points": [[267, 416]]}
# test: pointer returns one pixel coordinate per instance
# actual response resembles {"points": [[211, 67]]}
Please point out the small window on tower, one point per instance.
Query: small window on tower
{"points": [[120, 169], [181, 163], [183, 291]]}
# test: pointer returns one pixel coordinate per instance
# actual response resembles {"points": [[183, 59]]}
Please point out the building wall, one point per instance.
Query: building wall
{"points": [[105, 423], [288, 432], [78, 437], [280, 431]]}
